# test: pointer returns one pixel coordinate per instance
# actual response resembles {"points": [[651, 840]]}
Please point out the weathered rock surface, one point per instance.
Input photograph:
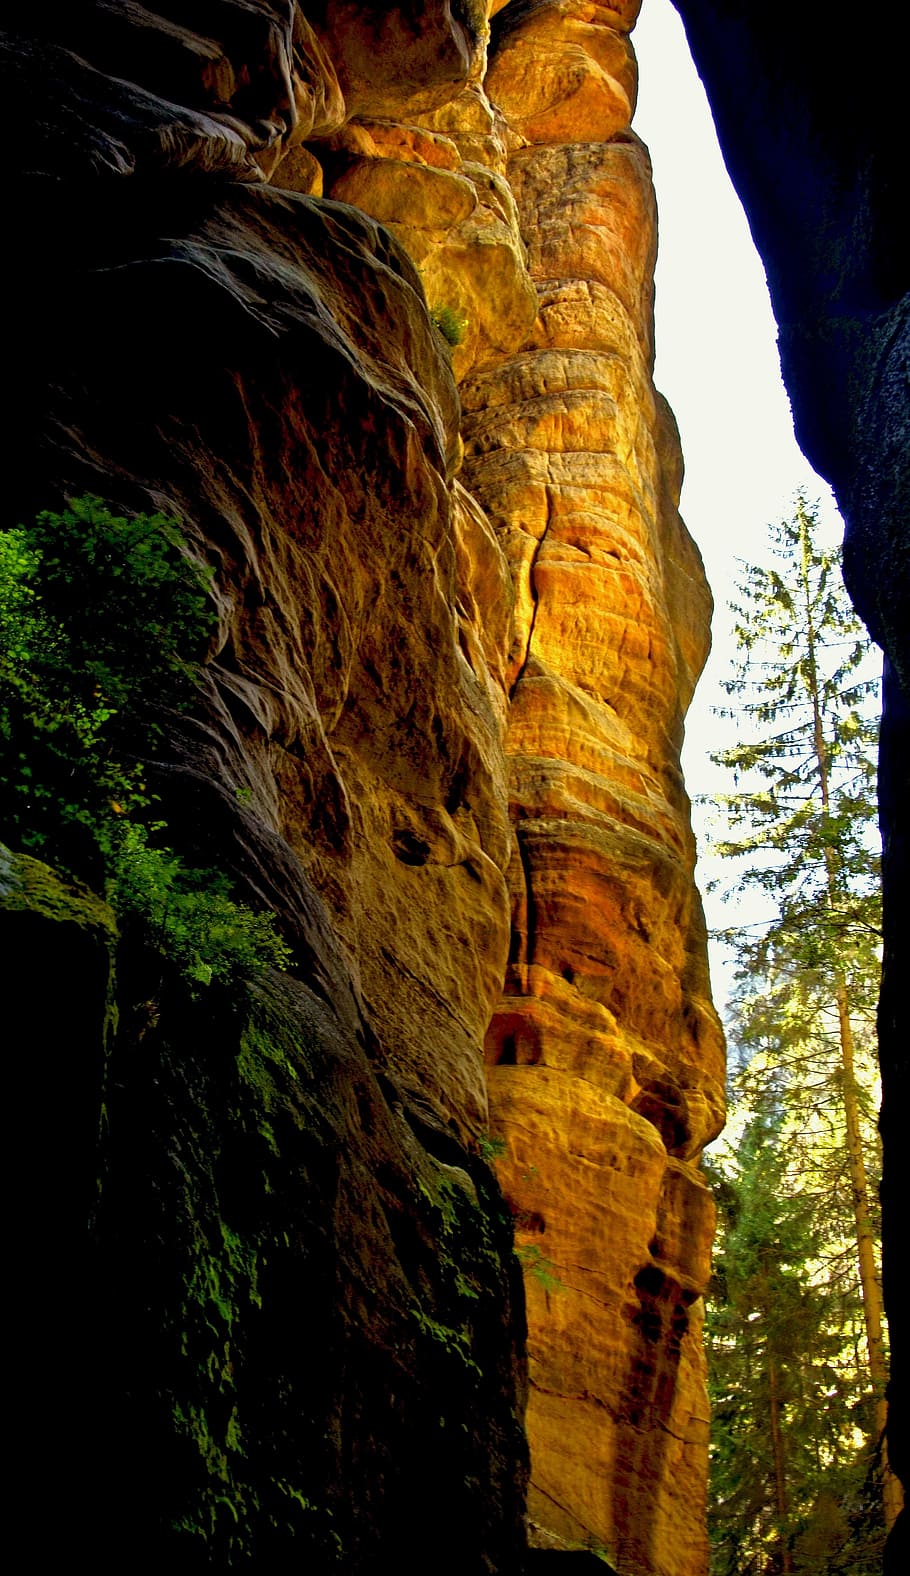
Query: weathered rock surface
{"points": [[440, 188], [300, 1327], [606, 1062], [210, 87], [564, 72], [438, 736], [402, 58]]}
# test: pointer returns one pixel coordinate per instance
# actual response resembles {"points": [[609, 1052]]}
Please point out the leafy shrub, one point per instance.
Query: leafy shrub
{"points": [[97, 614], [188, 914]]}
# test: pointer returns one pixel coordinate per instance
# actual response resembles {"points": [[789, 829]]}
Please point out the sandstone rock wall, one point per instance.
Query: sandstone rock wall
{"points": [[293, 1321], [606, 1071], [604, 1056], [438, 736]]}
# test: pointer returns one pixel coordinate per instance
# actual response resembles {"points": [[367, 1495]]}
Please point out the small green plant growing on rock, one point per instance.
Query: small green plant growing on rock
{"points": [[451, 322], [599, 1550], [491, 1149], [538, 1267], [456, 1343]]}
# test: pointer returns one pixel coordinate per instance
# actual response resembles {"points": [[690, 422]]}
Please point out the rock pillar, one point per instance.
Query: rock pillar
{"points": [[605, 1056]]}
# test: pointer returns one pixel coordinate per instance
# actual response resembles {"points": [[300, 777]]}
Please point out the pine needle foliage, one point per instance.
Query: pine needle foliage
{"points": [[806, 713], [799, 828], [793, 1482]]}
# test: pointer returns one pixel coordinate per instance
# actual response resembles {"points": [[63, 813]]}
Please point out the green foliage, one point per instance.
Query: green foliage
{"points": [[790, 1412], [599, 1550], [800, 826], [455, 1342], [491, 1149], [787, 1329], [188, 914], [98, 613], [538, 1267], [469, 1263], [452, 323], [805, 705]]}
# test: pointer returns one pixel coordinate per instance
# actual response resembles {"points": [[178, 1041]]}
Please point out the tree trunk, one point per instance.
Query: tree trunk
{"points": [[892, 1494], [780, 1476]]}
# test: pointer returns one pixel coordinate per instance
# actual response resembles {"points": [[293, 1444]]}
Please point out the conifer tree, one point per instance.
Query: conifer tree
{"points": [[790, 1492], [800, 823]]}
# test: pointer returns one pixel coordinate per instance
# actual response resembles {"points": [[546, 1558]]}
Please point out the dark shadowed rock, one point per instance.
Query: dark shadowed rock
{"points": [[822, 176], [300, 1323]]}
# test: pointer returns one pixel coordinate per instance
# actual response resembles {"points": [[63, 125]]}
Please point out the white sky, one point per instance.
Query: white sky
{"points": [[717, 363]]}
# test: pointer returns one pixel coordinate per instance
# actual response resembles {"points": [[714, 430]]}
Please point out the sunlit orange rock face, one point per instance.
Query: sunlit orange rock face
{"points": [[605, 1058], [527, 204], [440, 734]]}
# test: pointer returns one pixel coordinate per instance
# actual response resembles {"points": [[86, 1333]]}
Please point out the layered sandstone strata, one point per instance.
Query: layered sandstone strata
{"points": [[438, 734], [605, 1057]]}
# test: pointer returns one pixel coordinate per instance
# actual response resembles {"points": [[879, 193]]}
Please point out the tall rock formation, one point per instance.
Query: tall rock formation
{"points": [[297, 1330], [606, 1063], [437, 734]]}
